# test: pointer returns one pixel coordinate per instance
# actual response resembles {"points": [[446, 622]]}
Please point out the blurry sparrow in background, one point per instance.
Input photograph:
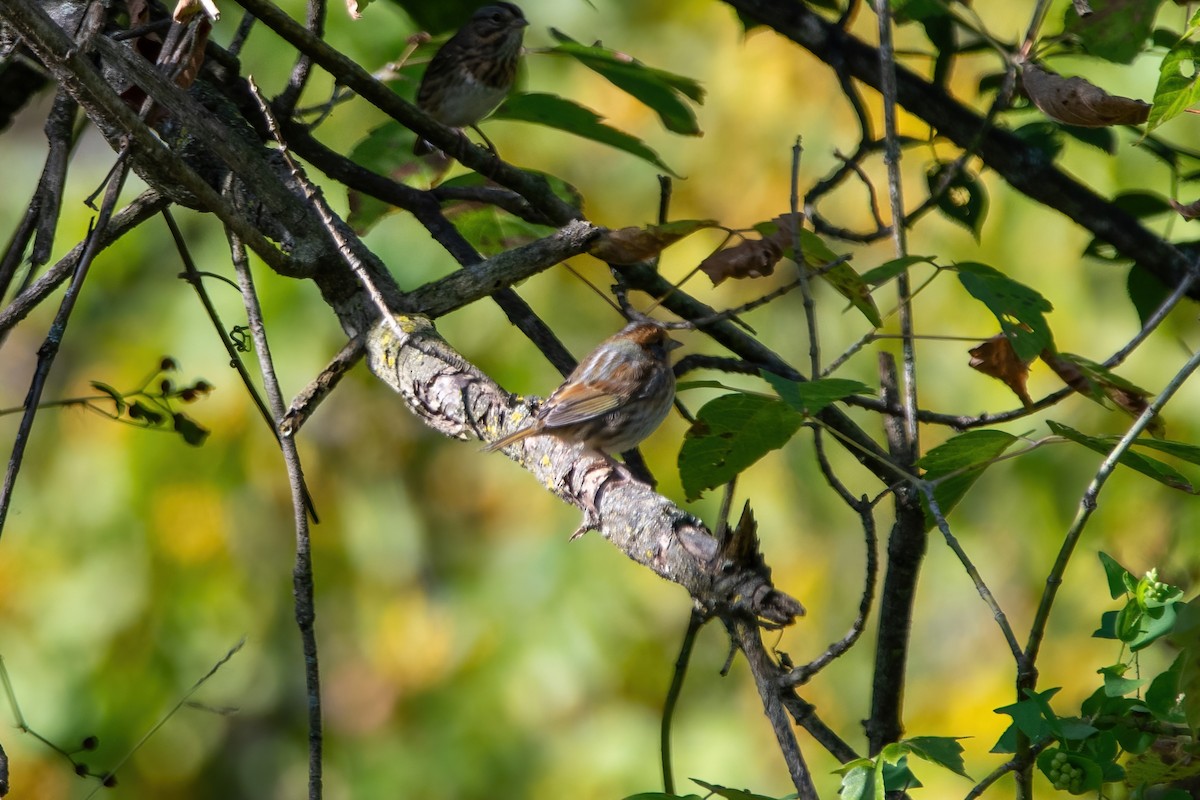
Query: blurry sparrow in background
{"points": [[473, 71]]}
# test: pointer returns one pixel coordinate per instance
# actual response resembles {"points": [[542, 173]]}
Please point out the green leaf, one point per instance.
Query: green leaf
{"points": [[810, 397], [1116, 29], [1100, 138], [566, 115], [1181, 450], [1156, 623], [661, 91], [1163, 473], [1043, 135], [1162, 698], [967, 454], [561, 189], [1129, 622], [1146, 292], [841, 276], [1033, 716], [1115, 682], [730, 794], [118, 400], [890, 269], [897, 777], [1142, 204], [964, 200], [1178, 84], [731, 433], [492, 231], [1019, 309], [192, 432], [1108, 626], [945, 751], [850, 285], [387, 150], [918, 10], [1116, 574], [1075, 729], [858, 782], [443, 16], [816, 253]]}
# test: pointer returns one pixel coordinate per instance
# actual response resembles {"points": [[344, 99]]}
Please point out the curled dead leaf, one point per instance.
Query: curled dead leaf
{"points": [[1075, 101], [1097, 382], [355, 8], [626, 246], [996, 358], [750, 258], [1189, 211], [754, 258], [186, 9]]}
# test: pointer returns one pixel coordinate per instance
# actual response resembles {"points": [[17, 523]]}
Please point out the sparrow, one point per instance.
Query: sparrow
{"points": [[615, 398], [474, 70]]}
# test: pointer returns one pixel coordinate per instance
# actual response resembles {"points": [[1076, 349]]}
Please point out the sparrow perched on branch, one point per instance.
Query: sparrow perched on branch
{"points": [[615, 398], [474, 70]]}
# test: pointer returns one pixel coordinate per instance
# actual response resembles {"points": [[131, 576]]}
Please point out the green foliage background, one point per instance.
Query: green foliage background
{"points": [[468, 650]]}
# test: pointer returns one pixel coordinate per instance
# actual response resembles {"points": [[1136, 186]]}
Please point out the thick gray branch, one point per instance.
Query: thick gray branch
{"points": [[509, 268], [74, 71], [456, 399]]}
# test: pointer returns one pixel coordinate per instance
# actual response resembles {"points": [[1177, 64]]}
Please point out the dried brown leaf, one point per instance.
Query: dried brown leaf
{"points": [[186, 9], [139, 12], [355, 7], [1075, 101], [632, 245], [997, 359], [194, 60], [751, 258], [1189, 211], [1099, 384]]}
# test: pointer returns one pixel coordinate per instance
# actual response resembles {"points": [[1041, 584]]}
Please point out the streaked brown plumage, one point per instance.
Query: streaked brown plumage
{"points": [[474, 70], [615, 398]]}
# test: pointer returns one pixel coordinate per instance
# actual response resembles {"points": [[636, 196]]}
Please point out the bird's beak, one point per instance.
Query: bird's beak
{"points": [[673, 344]]}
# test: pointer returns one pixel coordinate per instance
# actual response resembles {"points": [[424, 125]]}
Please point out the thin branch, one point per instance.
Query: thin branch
{"points": [[810, 308], [50, 347], [285, 104], [980, 586], [695, 622], [302, 573], [311, 396], [801, 675], [766, 673], [1087, 505], [143, 207]]}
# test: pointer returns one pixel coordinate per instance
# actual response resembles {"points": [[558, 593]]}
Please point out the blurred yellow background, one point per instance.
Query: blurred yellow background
{"points": [[467, 650]]}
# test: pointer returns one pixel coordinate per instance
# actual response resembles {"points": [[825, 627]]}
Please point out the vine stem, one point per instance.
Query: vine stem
{"points": [[1088, 503], [1027, 676]]}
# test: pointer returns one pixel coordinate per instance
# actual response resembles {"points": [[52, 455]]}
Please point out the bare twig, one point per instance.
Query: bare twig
{"points": [[50, 347], [695, 622], [302, 574], [766, 676], [306, 402], [803, 674]]}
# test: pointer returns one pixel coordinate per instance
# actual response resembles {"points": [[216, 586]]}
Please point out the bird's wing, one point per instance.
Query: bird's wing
{"points": [[577, 403]]}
